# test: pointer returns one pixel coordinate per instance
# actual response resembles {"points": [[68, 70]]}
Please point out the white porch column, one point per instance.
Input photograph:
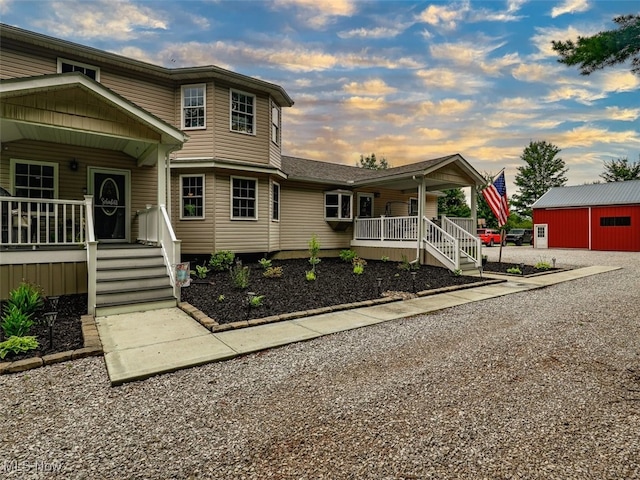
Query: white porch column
{"points": [[163, 180], [474, 208], [422, 198]]}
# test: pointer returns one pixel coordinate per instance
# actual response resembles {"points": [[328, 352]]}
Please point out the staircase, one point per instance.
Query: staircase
{"points": [[132, 278], [451, 245]]}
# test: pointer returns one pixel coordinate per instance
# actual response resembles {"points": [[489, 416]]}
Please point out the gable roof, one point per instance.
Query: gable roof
{"points": [[325, 172], [613, 193], [186, 74]]}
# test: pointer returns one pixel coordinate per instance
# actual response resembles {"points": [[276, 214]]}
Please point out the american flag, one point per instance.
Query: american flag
{"points": [[496, 196]]}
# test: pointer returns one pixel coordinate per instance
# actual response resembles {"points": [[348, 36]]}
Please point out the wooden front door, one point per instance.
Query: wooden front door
{"points": [[110, 189]]}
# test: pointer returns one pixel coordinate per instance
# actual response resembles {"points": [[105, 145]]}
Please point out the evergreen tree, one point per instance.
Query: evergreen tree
{"points": [[620, 170], [542, 171], [453, 204], [604, 49], [372, 163]]}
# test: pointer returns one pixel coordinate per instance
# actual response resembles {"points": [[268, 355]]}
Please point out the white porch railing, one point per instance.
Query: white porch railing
{"points": [[148, 225], [32, 222], [441, 245], [92, 257], [463, 222], [386, 228], [468, 243]]}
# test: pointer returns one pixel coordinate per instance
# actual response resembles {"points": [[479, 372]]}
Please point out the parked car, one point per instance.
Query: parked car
{"points": [[520, 236], [489, 237]]}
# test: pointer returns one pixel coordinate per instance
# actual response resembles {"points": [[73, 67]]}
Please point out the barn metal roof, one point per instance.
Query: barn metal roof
{"points": [[614, 193]]}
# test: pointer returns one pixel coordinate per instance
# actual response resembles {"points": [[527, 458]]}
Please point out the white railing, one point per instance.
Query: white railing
{"points": [[31, 222], [441, 245], [170, 247], [92, 256], [463, 222], [148, 225], [468, 243], [386, 228]]}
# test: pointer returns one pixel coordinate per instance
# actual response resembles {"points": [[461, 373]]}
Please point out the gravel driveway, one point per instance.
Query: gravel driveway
{"points": [[542, 384]]}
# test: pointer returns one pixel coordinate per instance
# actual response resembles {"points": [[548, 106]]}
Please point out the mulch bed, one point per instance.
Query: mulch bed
{"points": [[502, 267], [336, 284]]}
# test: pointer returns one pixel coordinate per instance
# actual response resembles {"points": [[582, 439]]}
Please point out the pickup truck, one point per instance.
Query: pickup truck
{"points": [[489, 237]]}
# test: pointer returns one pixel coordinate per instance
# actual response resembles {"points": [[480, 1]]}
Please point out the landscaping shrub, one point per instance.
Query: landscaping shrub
{"points": [[358, 269], [347, 255], [272, 272], [264, 263], [27, 298], [17, 344], [240, 276], [15, 323], [222, 260]]}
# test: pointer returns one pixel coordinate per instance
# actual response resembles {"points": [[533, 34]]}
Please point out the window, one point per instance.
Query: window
{"points": [[413, 207], [275, 124], [90, 71], [615, 221], [193, 107], [242, 112], [365, 205], [275, 199], [192, 196], [337, 205], [244, 195], [33, 179]]}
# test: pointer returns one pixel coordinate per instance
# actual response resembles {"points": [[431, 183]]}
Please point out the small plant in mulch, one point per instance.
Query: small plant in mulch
{"points": [[222, 260], [240, 276], [542, 265], [16, 345], [273, 272], [265, 263], [314, 250], [514, 271], [200, 271], [256, 301], [310, 275], [347, 255], [358, 269]]}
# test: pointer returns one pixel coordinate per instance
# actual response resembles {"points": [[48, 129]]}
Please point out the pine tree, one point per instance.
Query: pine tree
{"points": [[372, 163], [542, 171], [620, 170], [453, 204]]}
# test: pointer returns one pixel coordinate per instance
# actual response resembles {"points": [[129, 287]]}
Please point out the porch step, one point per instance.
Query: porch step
{"points": [[132, 278], [467, 264]]}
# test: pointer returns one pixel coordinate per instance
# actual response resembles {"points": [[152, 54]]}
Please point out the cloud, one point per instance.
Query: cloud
{"points": [[587, 136], [542, 39], [110, 19], [620, 81], [570, 6], [622, 114], [5, 5], [318, 14], [452, 80], [375, 87], [444, 16], [365, 103], [532, 72], [375, 32], [470, 55], [580, 95], [446, 107]]}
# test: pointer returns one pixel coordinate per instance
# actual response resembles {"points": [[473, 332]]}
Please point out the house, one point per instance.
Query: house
{"points": [[601, 216], [115, 169]]}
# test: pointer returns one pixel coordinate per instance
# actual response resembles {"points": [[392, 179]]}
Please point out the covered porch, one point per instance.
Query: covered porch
{"points": [[419, 233], [81, 165]]}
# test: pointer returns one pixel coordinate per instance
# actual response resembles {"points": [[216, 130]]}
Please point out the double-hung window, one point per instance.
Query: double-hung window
{"points": [[194, 107], [32, 179], [275, 124], [244, 198], [90, 71], [243, 117], [337, 205], [192, 196], [275, 202]]}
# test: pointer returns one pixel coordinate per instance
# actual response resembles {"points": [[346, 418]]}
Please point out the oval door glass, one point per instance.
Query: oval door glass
{"points": [[110, 205]]}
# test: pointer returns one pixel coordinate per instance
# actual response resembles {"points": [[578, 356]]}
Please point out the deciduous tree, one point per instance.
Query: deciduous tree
{"points": [[543, 170], [372, 163], [453, 204]]}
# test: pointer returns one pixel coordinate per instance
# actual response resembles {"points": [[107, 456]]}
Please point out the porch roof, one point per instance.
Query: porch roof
{"points": [[401, 177], [87, 130]]}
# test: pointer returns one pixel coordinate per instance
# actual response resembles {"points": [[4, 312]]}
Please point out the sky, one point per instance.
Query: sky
{"points": [[406, 80]]}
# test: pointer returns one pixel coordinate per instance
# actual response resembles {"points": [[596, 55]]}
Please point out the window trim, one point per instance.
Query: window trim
{"points": [[275, 206], [253, 115], [204, 196], [61, 60], [275, 134], [204, 105], [412, 200], [255, 180], [56, 173], [339, 218], [363, 195]]}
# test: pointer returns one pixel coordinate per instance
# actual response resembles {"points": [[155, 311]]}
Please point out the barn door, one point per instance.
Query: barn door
{"points": [[540, 232]]}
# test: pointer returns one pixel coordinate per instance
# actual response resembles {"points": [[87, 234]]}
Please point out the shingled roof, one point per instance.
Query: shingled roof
{"points": [[339, 174], [613, 193]]}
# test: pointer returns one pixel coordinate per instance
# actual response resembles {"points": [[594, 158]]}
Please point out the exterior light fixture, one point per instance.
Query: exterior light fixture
{"points": [[379, 287], [73, 165], [413, 281], [50, 318]]}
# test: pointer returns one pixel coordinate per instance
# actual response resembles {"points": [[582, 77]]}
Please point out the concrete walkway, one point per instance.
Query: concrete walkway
{"points": [[140, 345]]}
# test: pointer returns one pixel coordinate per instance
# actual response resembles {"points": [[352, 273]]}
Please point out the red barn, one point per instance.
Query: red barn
{"points": [[601, 216]]}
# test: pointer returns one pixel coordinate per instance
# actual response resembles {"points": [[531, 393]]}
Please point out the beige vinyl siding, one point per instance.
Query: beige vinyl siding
{"points": [[431, 208], [73, 184], [201, 142], [302, 214], [24, 62], [240, 146], [55, 278], [197, 235], [241, 236]]}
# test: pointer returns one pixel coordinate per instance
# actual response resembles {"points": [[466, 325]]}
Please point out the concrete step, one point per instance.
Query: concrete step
{"points": [[130, 296], [132, 283], [108, 309]]}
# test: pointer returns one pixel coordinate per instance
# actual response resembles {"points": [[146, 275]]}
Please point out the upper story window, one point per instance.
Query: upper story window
{"points": [[193, 106], [90, 71], [192, 196], [275, 124], [33, 179], [243, 117], [337, 205], [244, 198]]}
